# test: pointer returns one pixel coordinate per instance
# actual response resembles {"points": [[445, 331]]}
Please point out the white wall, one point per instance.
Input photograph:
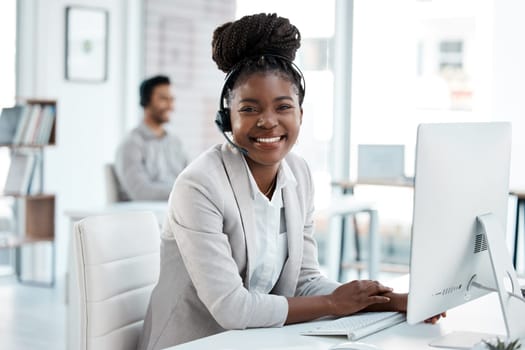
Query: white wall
{"points": [[91, 117]]}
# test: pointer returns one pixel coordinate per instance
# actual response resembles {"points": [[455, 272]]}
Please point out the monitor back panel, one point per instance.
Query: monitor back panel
{"points": [[462, 171]]}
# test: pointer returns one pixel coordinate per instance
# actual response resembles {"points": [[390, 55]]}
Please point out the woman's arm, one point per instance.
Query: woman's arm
{"points": [[301, 309], [345, 300]]}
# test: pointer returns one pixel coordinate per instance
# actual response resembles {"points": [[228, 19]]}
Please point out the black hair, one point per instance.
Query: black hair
{"points": [[148, 85], [257, 43]]}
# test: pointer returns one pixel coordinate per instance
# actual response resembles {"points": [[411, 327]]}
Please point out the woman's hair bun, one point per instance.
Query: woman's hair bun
{"points": [[254, 35]]}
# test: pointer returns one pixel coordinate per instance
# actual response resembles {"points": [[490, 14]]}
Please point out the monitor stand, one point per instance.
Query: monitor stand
{"points": [[511, 299]]}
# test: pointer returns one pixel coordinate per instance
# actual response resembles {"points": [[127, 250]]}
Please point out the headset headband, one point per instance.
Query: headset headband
{"points": [[238, 66]]}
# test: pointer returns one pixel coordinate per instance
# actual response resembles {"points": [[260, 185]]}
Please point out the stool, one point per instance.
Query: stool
{"points": [[345, 206]]}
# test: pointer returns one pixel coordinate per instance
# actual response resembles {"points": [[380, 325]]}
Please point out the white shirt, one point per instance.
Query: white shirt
{"points": [[270, 232]]}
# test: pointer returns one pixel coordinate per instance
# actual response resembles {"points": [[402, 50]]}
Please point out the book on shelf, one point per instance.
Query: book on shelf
{"points": [[43, 135], [35, 125], [32, 124], [9, 120], [20, 174], [22, 125]]}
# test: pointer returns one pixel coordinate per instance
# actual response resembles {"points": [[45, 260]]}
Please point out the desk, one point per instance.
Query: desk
{"points": [[345, 206], [348, 187], [159, 208], [481, 315]]}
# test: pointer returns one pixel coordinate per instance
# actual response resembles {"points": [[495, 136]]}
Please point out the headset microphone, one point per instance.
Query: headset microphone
{"points": [[221, 127]]}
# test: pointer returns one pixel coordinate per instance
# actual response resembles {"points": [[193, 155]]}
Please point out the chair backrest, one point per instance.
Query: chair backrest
{"points": [[114, 191], [117, 262]]}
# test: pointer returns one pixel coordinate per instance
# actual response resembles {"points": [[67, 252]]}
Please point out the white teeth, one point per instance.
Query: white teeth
{"points": [[268, 139]]}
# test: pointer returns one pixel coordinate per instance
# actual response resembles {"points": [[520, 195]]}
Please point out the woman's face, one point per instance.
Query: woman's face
{"points": [[266, 117]]}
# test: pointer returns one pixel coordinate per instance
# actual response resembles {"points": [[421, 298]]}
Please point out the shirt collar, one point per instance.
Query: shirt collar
{"points": [[147, 133], [285, 177]]}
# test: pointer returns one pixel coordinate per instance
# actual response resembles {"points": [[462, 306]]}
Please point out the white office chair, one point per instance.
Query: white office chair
{"points": [[117, 262]]}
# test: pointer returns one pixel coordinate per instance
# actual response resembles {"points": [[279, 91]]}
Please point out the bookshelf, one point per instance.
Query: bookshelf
{"points": [[27, 129]]}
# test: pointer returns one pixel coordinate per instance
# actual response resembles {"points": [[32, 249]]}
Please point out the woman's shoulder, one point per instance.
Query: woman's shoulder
{"points": [[297, 165], [206, 176], [295, 160], [208, 162]]}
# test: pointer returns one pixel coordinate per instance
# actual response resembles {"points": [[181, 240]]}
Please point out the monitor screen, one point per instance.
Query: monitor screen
{"points": [[461, 172]]}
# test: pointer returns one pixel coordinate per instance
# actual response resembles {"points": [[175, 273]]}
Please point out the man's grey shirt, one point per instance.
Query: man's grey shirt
{"points": [[147, 165]]}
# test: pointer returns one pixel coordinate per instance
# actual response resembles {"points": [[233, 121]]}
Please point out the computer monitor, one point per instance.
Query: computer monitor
{"points": [[380, 162], [458, 249]]}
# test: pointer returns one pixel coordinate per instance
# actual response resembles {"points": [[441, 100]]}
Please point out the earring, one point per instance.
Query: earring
{"points": [[260, 123]]}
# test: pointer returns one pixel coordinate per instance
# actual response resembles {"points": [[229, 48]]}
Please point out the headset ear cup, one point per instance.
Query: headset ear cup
{"points": [[218, 121], [222, 119]]}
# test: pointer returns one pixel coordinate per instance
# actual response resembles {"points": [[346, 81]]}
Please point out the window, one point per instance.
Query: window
{"points": [[7, 99], [7, 71], [413, 62], [450, 55], [8, 56]]}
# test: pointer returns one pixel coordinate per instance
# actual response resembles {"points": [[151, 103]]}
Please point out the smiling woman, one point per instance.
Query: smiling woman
{"points": [[238, 249]]}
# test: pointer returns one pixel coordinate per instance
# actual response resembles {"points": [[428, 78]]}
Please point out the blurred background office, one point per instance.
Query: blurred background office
{"points": [[374, 69]]}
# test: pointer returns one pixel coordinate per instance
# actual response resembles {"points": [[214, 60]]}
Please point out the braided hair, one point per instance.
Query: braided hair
{"points": [[254, 44]]}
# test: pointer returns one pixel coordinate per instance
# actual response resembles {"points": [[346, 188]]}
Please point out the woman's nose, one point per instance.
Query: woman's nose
{"points": [[267, 121]]}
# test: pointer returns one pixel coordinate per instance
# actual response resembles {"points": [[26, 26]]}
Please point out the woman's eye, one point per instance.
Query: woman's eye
{"points": [[284, 107], [247, 109]]}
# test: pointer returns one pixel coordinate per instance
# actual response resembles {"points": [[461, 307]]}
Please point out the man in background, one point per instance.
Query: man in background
{"points": [[150, 157]]}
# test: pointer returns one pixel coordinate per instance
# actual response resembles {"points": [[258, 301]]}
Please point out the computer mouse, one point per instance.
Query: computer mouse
{"points": [[354, 346]]}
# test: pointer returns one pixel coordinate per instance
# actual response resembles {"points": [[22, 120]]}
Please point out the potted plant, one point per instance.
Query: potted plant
{"points": [[498, 344]]}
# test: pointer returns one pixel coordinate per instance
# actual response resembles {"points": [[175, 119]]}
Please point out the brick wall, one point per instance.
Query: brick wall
{"points": [[177, 43]]}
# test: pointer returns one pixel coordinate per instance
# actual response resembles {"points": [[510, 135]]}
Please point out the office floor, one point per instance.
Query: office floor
{"points": [[31, 317]]}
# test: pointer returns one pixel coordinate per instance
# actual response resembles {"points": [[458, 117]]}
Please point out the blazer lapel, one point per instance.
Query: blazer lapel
{"points": [[236, 171], [294, 229]]}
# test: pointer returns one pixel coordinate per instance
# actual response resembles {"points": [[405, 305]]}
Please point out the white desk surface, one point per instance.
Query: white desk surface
{"points": [[480, 315]]}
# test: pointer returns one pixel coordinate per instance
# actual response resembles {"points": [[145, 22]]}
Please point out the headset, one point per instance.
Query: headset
{"points": [[222, 117]]}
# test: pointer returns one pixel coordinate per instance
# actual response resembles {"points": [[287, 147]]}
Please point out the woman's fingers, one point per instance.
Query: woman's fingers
{"points": [[436, 318], [374, 287], [378, 299]]}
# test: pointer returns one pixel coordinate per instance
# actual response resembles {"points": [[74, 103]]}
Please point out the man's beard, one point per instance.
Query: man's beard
{"points": [[159, 119]]}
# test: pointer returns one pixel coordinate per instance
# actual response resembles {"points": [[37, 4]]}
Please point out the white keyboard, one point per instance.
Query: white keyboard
{"points": [[359, 325]]}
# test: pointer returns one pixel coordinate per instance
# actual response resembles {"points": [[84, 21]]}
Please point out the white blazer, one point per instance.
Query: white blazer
{"points": [[207, 245]]}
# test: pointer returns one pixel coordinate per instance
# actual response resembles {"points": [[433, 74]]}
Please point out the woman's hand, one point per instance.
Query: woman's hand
{"points": [[357, 295], [436, 318], [398, 302]]}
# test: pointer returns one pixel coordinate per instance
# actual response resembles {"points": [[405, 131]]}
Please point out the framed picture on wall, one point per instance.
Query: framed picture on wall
{"points": [[86, 44]]}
